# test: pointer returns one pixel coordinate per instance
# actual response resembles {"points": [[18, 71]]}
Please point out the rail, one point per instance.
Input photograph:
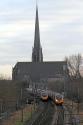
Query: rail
{"points": [[45, 116]]}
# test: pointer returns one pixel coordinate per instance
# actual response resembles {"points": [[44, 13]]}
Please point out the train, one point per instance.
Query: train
{"points": [[46, 95], [57, 98]]}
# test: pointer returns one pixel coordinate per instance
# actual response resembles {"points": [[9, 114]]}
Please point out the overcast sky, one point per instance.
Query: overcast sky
{"points": [[61, 30]]}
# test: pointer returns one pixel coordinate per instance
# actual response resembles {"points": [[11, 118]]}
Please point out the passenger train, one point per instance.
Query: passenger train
{"points": [[59, 99], [45, 95], [56, 97]]}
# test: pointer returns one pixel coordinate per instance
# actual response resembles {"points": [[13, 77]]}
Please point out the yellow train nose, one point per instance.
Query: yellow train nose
{"points": [[44, 97], [59, 101]]}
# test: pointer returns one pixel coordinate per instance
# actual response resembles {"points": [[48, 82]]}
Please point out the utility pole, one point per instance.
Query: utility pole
{"points": [[35, 92], [22, 104], [72, 98], [1, 105], [78, 102], [65, 75]]}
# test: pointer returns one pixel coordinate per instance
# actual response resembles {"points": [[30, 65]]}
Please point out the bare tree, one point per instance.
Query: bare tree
{"points": [[4, 77], [73, 63]]}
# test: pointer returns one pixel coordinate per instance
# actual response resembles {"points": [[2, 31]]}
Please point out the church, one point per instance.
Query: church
{"points": [[37, 69]]}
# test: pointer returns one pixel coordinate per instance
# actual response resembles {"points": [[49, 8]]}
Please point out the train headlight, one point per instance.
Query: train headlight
{"points": [[56, 100]]}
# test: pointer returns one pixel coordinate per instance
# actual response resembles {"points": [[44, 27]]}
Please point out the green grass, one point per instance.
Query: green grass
{"points": [[19, 123], [26, 117]]}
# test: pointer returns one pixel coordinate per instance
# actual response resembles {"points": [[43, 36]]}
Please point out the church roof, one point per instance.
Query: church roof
{"points": [[39, 70]]}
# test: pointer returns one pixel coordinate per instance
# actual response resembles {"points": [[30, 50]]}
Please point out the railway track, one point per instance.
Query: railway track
{"points": [[62, 116], [45, 118], [58, 118], [52, 115]]}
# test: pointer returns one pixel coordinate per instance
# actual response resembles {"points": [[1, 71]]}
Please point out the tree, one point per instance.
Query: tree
{"points": [[4, 77], [73, 63]]}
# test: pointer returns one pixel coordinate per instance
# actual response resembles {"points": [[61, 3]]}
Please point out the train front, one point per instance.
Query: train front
{"points": [[59, 100], [44, 95]]}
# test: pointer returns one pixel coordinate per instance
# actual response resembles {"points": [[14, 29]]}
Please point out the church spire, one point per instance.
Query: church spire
{"points": [[37, 55], [37, 32]]}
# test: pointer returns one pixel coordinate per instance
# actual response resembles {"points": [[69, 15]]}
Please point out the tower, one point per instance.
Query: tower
{"points": [[37, 55]]}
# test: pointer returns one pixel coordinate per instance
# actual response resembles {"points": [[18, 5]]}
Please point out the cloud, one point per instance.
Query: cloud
{"points": [[19, 28]]}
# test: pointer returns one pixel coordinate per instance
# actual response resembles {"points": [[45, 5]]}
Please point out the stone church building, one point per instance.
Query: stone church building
{"points": [[38, 69]]}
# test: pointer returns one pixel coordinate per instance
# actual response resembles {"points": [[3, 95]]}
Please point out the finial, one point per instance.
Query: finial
{"points": [[36, 3]]}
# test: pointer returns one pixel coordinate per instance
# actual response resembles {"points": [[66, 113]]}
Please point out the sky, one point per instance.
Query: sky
{"points": [[61, 30]]}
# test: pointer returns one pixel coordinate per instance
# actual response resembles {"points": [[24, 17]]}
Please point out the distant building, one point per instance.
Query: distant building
{"points": [[37, 69]]}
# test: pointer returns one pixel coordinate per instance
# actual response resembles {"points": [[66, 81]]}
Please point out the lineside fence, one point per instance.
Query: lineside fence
{"points": [[75, 114], [19, 115]]}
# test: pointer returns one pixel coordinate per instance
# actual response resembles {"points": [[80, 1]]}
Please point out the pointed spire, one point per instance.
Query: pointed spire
{"points": [[37, 55], [36, 3], [37, 32]]}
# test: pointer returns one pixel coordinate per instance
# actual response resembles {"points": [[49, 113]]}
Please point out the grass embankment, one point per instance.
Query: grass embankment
{"points": [[16, 117]]}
